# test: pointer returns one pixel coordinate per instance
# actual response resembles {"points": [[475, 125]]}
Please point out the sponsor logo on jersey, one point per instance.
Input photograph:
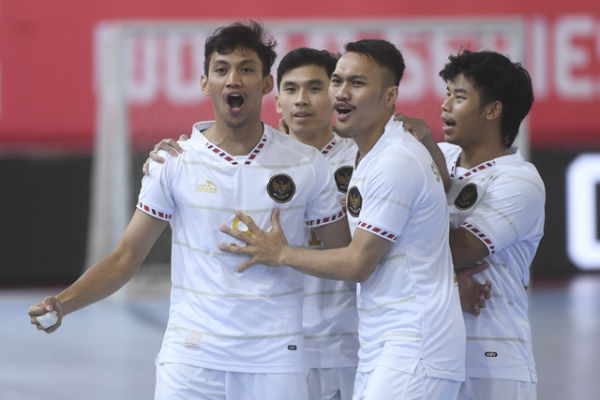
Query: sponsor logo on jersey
{"points": [[209, 187], [354, 201], [491, 354], [467, 197], [342, 178], [281, 188]]}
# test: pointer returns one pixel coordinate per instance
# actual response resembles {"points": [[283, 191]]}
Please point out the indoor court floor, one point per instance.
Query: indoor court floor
{"points": [[107, 351]]}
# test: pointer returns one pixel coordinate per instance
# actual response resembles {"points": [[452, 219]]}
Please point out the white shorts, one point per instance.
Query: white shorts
{"points": [[330, 383], [495, 389], [384, 383], [176, 381]]}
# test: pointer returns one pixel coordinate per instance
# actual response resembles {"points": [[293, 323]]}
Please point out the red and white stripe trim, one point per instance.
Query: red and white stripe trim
{"points": [[377, 230], [329, 146], [480, 167], [153, 211], [326, 220], [230, 159], [475, 231]]}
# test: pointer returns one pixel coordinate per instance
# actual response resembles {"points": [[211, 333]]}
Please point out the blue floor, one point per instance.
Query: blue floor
{"points": [[107, 351]]}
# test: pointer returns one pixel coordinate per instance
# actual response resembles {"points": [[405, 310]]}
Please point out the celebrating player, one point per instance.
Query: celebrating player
{"points": [[228, 336], [496, 202], [412, 337]]}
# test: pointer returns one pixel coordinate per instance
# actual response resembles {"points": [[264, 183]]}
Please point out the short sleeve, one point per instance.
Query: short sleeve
{"points": [[155, 196], [511, 210], [389, 194]]}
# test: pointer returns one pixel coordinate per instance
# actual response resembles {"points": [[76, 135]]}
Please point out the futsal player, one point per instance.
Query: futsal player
{"points": [[411, 330], [228, 336], [496, 202]]}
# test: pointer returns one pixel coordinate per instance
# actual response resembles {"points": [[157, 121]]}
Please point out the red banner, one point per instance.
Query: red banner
{"points": [[47, 55]]}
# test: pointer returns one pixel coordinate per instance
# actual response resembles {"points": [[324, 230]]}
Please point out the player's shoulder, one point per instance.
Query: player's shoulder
{"points": [[288, 147]]}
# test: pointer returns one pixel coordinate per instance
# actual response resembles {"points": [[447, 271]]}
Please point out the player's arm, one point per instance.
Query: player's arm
{"points": [[420, 130], [108, 275], [354, 262], [467, 250]]}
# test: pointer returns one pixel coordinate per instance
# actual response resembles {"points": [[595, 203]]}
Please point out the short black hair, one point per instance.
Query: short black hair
{"points": [[497, 79], [383, 52], [305, 56], [250, 35]]}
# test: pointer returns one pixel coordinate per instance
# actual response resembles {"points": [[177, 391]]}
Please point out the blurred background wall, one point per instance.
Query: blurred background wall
{"points": [[49, 100]]}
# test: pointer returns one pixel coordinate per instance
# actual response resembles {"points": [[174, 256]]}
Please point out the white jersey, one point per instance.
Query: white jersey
{"points": [[408, 308], [501, 202], [221, 319], [330, 319]]}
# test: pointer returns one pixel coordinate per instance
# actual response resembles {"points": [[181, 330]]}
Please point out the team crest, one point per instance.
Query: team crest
{"points": [[342, 178], [281, 188], [354, 201], [467, 197]]}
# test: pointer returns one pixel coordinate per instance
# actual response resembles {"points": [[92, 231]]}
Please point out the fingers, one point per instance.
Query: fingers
{"points": [[275, 220], [244, 237], [183, 138], [399, 117], [248, 221]]}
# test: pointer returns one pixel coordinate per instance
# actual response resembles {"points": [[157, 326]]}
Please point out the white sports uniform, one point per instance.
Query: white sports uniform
{"points": [[220, 319], [330, 318], [409, 309], [501, 202]]}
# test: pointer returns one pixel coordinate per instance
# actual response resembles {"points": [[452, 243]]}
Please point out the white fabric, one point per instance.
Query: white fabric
{"points": [[496, 389], [330, 319], [220, 319], [509, 218], [330, 383], [175, 381], [389, 384], [409, 307]]}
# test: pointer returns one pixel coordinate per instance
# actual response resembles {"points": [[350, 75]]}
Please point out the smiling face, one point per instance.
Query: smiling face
{"points": [[463, 116], [304, 103], [236, 86], [362, 93]]}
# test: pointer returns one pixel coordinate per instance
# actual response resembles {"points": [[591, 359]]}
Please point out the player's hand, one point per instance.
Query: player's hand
{"points": [[45, 306], [473, 295], [415, 126], [169, 145], [262, 247], [283, 126]]}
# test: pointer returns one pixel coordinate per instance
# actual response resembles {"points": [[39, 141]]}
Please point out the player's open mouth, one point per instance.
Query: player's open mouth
{"points": [[448, 124], [235, 101], [342, 110]]}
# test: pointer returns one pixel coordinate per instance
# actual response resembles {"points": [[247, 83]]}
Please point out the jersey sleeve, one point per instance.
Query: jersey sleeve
{"points": [[323, 206], [511, 210], [389, 194], [155, 196]]}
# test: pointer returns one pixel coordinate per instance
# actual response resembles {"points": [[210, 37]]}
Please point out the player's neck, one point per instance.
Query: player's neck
{"points": [[317, 141], [236, 141], [366, 139], [471, 157]]}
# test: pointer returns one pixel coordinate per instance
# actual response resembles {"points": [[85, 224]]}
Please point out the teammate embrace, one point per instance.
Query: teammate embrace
{"points": [[241, 327]]}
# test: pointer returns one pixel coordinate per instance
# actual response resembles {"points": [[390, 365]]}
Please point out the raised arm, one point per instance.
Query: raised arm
{"points": [[420, 130], [108, 275]]}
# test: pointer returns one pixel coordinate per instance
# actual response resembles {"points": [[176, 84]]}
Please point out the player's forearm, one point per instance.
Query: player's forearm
{"points": [[439, 159], [338, 264], [99, 282]]}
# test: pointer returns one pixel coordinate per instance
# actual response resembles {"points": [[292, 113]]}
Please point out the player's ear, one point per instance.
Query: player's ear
{"points": [[493, 110], [204, 84], [277, 105], [267, 84], [391, 95]]}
